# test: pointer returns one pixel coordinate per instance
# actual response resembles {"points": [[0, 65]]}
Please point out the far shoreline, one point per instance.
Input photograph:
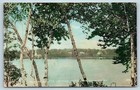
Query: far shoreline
{"points": [[94, 58]]}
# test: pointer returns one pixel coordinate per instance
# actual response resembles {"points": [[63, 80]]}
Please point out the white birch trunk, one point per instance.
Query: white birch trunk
{"points": [[29, 55], [46, 59], [75, 50], [22, 52], [133, 59]]}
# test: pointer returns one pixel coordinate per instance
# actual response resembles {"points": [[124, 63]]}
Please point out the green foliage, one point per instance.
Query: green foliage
{"points": [[44, 22], [88, 84], [14, 54], [123, 56], [48, 17], [14, 12], [10, 45], [109, 21], [11, 73], [11, 70]]}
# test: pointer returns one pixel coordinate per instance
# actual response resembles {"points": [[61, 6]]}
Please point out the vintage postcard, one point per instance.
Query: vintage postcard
{"points": [[70, 45]]}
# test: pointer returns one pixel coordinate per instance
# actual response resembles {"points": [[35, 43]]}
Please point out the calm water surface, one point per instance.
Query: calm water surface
{"points": [[63, 71]]}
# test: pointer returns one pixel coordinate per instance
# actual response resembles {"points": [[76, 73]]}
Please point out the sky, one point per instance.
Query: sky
{"points": [[79, 36]]}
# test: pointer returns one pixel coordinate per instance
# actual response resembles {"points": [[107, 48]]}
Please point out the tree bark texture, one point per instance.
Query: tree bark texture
{"points": [[29, 55], [33, 59], [46, 59], [22, 51], [75, 50], [133, 55]]}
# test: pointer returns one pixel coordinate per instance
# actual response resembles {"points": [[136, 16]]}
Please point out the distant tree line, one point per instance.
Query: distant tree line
{"points": [[69, 53]]}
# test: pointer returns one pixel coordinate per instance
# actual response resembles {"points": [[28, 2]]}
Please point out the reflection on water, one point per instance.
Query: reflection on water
{"points": [[63, 71]]}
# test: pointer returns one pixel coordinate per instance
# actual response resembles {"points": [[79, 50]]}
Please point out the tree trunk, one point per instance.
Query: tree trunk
{"points": [[133, 62], [7, 60], [29, 55], [32, 57], [75, 50], [23, 73], [7, 79], [46, 59], [22, 51], [133, 55]]}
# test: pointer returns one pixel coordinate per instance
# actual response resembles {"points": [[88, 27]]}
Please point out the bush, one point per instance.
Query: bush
{"points": [[88, 84]]}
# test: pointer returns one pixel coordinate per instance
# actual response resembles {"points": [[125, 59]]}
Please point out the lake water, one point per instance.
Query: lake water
{"points": [[63, 71]]}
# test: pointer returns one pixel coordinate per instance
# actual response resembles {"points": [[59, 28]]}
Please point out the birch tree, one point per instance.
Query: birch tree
{"points": [[54, 19], [116, 24], [68, 12], [22, 50], [14, 12], [47, 30]]}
